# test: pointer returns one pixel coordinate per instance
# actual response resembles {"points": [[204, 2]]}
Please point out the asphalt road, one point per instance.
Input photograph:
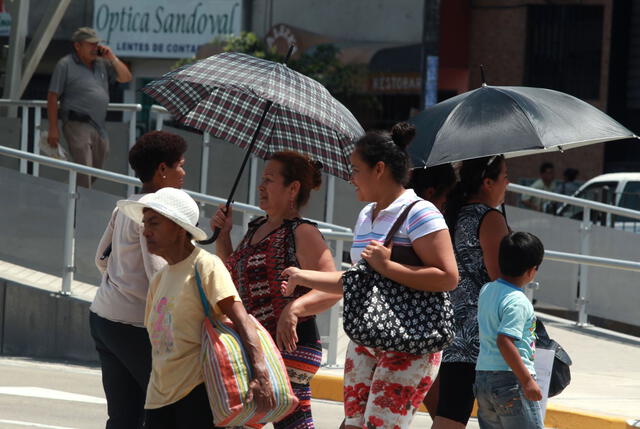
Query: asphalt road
{"points": [[35, 394]]}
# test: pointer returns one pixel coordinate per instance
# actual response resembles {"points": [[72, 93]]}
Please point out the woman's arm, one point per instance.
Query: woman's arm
{"points": [[435, 250], [493, 228], [310, 303], [260, 386], [312, 254], [329, 282], [223, 219]]}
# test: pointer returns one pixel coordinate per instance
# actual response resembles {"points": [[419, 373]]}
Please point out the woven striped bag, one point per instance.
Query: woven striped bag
{"points": [[227, 373]]}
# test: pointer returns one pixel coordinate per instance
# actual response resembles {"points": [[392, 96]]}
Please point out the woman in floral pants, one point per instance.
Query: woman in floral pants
{"points": [[382, 388]]}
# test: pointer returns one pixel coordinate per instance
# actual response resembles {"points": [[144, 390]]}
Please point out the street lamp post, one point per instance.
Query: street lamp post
{"points": [[430, 44]]}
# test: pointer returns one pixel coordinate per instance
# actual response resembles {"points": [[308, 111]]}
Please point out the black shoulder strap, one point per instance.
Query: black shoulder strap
{"points": [[398, 223]]}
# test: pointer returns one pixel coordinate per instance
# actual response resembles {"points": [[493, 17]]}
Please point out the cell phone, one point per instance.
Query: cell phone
{"points": [[106, 252], [100, 51]]}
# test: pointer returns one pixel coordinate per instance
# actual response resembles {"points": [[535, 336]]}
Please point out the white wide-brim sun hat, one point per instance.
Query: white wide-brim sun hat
{"points": [[172, 203]]}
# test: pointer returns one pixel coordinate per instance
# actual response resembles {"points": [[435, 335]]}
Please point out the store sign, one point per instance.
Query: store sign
{"points": [[280, 37], [395, 83], [164, 29]]}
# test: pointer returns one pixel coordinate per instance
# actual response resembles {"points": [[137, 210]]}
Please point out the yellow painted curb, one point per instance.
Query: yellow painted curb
{"points": [[327, 387], [567, 418], [330, 387]]}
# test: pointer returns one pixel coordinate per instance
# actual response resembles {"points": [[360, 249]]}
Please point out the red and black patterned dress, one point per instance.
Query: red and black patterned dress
{"points": [[255, 269]]}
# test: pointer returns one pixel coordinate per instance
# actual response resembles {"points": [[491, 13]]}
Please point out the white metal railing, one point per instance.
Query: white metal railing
{"points": [[37, 106], [335, 233], [585, 241], [587, 204]]}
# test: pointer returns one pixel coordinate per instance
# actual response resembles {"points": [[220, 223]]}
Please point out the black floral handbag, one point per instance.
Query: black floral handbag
{"points": [[386, 315]]}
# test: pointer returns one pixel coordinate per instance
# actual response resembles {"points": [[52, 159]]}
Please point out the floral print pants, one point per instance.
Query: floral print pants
{"points": [[384, 389]]}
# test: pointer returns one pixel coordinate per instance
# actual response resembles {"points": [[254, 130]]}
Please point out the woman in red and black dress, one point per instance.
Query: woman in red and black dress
{"points": [[272, 243]]}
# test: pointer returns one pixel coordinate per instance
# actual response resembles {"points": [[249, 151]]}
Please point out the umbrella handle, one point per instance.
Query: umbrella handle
{"points": [[289, 52], [216, 231], [214, 237]]}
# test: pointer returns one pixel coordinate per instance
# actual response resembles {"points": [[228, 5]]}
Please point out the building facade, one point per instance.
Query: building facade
{"points": [[583, 47]]}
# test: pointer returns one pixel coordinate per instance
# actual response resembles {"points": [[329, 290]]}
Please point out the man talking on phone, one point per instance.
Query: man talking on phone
{"points": [[80, 81]]}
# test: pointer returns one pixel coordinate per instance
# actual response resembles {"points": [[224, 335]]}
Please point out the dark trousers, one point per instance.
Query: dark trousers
{"points": [[125, 357], [190, 412]]}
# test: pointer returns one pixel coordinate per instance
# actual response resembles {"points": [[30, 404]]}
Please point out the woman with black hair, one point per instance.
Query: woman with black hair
{"points": [[117, 312], [476, 229], [433, 184], [383, 388]]}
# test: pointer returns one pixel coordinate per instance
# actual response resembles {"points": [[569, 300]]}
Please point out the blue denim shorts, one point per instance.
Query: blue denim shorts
{"points": [[502, 404]]}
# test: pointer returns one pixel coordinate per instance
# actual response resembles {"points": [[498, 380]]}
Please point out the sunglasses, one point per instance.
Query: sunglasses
{"points": [[489, 163]]}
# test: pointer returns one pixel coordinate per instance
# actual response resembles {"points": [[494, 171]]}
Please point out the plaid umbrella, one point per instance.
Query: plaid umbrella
{"points": [[240, 99]]}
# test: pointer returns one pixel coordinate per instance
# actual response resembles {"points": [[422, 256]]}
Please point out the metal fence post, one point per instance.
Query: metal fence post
{"points": [[330, 201], [70, 235], [132, 141], [36, 138], [159, 119], [253, 184], [334, 315], [529, 290], [585, 238], [204, 162], [24, 136]]}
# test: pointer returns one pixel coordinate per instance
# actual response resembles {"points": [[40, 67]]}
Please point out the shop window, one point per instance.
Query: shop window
{"points": [[395, 108], [564, 48]]}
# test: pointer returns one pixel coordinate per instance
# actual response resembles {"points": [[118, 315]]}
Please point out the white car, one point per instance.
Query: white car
{"points": [[618, 189]]}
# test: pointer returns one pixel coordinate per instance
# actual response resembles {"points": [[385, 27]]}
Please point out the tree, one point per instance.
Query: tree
{"points": [[346, 82]]}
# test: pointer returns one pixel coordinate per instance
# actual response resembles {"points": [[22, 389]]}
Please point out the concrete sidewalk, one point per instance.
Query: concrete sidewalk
{"points": [[605, 388]]}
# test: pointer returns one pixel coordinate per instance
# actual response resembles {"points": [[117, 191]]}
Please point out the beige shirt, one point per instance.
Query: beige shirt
{"points": [[126, 272], [174, 317]]}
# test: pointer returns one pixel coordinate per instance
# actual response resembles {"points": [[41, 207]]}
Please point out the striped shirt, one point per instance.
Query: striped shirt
{"points": [[424, 218]]}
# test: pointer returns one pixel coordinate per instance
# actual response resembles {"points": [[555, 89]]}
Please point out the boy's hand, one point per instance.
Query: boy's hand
{"points": [[292, 276], [531, 390]]}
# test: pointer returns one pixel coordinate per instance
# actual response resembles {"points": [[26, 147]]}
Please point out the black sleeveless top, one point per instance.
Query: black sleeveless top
{"points": [[473, 275]]}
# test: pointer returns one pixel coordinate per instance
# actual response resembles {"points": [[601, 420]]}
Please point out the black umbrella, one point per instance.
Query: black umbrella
{"points": [[262, 106], [509, 120]]}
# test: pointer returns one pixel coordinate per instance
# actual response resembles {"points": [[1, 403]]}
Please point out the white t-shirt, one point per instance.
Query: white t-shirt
{"points": [[423, 219], [126, 272]]}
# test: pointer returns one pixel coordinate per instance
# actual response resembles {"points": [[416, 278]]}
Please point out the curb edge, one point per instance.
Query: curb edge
{"points": [[330, 387]]}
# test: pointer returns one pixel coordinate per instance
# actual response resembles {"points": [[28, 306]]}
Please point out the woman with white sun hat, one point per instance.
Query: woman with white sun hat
{"points": [[176, 396]]}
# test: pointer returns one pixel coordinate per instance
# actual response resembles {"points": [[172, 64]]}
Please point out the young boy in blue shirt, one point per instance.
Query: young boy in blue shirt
{"points": [[505, 386]]}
